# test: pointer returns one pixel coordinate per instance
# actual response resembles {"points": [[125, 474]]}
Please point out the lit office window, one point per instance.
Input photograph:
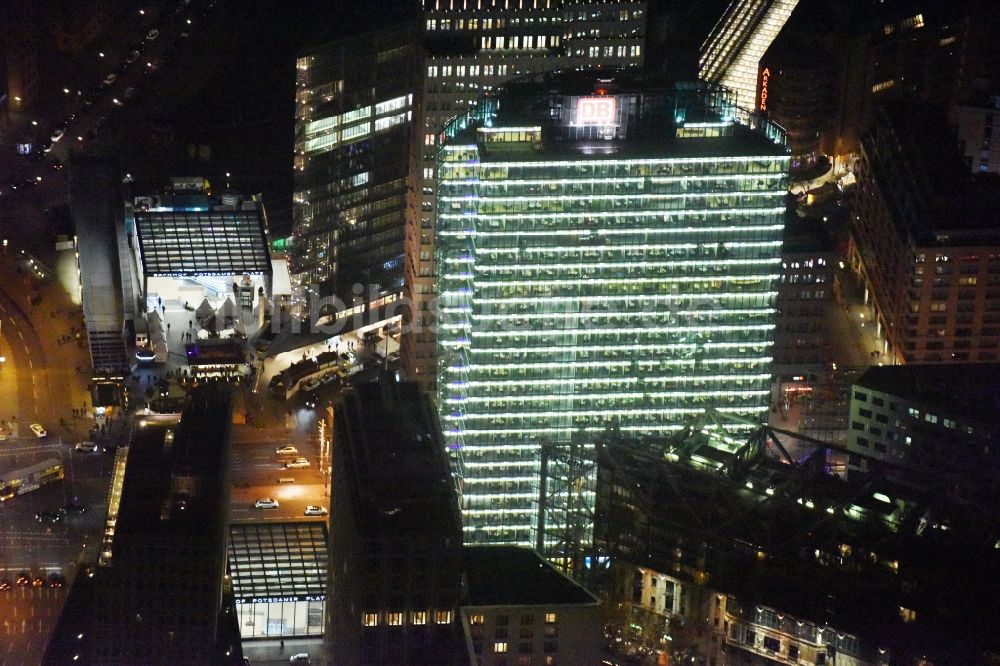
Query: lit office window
{"points": [[550, 618], [477, 620], [395, 619], [419, 617], [442, 617], [500, 647], [371, 619]]}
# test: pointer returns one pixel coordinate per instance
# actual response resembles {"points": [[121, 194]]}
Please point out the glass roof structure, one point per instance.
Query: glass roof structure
{"points": [[278, 560], [203, 242]]}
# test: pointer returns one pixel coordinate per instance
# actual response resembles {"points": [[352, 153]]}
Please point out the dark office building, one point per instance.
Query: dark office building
{"points": [[924, 241], [159, 595], [832, 64], [516, 603], [395, 532], [943, 420], [807, 299], [354, 111], [797, 88]]}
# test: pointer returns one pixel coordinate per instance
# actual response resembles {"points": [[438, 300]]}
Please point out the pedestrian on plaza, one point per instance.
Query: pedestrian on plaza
{"points": [[163, 308], [159, 301], [190, 324], [168, 327]]}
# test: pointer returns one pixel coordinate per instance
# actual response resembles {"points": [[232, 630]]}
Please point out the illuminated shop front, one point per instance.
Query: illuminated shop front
{"points": [[615, 264], [278, 574]]}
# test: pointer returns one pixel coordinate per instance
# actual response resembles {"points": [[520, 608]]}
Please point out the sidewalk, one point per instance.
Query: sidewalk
{"points": [[267, 651]]}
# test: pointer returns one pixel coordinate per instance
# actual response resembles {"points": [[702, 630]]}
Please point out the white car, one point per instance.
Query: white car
{"points": [[297, 463], [110, 78], [57, 134], [286, 451], [87, 447], [313, 510], [266, 503], [152, 35], [300, 658], [38, 430]]}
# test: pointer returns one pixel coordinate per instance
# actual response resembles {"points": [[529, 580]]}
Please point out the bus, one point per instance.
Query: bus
{"points": [[18, 481]]}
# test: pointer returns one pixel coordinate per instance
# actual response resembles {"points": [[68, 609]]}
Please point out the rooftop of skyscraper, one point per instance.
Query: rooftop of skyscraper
{"points": [[399, 477], [613, 115], [175, 477]]}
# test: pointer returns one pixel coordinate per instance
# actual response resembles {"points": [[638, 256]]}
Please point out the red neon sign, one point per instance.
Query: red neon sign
{"points": [[764, 77]]}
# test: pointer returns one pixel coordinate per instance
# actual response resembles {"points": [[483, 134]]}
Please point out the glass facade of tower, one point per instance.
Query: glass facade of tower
{"points": [[353, 161], [589, 278], [732, 52]]}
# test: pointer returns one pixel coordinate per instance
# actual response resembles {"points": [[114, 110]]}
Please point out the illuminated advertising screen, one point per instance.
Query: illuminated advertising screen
{"points": [[595, 111]]}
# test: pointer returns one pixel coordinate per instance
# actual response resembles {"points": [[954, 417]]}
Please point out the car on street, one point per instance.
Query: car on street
{"points": [[310, 401], [37, 581], [300, 658], [57, 134], [129, 92], [313, 510], [109, 79], [72, 507], [266, 503], [87, 447], [23, 579], [5, 584], [286, 451], [310, 384], [56, 580], [48, 516], [132, 57], [38, 430], [152, 35], [297, 463]]}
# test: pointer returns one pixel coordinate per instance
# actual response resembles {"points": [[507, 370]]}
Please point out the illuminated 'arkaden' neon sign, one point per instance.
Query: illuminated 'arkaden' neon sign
{"points": [[764, 76]]}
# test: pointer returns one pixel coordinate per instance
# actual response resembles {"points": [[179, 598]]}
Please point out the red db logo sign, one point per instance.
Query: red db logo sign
{"points": [[595, 110]]}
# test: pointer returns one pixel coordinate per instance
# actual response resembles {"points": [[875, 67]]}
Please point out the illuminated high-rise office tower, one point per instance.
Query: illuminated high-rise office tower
{"points": [[608, 255], [733, 50]]}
